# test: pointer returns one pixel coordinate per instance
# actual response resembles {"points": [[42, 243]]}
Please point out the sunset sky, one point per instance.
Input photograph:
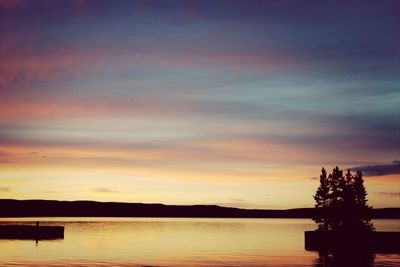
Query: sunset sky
{"points": [[235, 103]]}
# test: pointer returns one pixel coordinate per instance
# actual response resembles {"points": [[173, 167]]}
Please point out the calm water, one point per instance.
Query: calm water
{"points": [[173, 242]]}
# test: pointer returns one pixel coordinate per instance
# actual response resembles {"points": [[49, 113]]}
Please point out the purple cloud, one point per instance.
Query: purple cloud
{"points": [[380, 169]]}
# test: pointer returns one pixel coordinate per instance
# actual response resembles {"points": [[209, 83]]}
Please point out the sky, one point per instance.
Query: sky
{"points": [[234, 103]]}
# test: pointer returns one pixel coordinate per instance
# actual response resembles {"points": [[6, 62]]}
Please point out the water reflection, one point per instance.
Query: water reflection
{"points": [[174, 242], [344, 259]]}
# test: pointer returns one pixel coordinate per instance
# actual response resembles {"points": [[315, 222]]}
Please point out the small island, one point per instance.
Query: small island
{"points": [[344, 218]]}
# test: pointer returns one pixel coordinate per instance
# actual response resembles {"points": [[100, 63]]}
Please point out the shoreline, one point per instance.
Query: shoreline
{"points": [[10, 208]]}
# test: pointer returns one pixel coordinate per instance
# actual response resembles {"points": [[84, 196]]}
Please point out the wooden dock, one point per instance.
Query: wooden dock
{"points": [[375, 242], [34, 232]]}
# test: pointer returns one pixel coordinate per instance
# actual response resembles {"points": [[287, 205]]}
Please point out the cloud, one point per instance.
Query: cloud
{"points": [[379, 170], [51, 191], [4, 189], [389, 194], [236, 199], [6, 157], [128, 106], [24, 69], [11, 4], [103, 190]]}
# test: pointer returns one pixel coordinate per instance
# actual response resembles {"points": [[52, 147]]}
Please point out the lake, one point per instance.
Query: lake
{"points": [[173, 242]]}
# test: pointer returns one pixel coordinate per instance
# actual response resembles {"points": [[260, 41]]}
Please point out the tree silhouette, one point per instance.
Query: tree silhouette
{"points": [[322, 199], [341, 202]]}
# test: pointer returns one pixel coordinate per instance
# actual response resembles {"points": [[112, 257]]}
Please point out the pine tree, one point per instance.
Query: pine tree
{"points": [[360, 198], [359, 190], [336, 198], [341, 202], [348, 205], [322, 199]]}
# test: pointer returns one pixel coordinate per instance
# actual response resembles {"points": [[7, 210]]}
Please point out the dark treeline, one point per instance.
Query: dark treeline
{"points": [[53, 208]]}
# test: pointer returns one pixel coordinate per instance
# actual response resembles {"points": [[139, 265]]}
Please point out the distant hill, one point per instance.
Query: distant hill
{"points": [[53, 208]]}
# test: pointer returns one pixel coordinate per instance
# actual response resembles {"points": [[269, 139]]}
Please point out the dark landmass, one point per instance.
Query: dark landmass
{"points": [[53, 208]]}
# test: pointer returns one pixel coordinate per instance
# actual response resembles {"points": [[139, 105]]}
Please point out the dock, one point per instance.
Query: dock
{"points": [[374, 242], [34, 232]]}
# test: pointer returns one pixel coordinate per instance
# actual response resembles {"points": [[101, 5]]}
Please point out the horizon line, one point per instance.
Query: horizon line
{"points": [[182, 205]]}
